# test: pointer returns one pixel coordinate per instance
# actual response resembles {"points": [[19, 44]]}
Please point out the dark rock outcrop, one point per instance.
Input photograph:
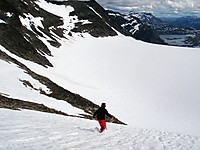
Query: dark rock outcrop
{"points": [[16, 104], [134, 27]]}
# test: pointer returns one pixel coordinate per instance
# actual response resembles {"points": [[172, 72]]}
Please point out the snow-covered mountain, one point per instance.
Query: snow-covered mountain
{"points": [[67, 58], [164, 25], [146, 17], [136, 28], [173, 31]]}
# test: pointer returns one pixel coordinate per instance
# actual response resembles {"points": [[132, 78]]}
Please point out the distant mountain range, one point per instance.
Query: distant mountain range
{"points": [[188, 21], [174, 31], [168, 25]]}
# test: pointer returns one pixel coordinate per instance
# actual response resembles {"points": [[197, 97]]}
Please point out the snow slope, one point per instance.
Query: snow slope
{"points": [[34, 130], [12, 86], [147, 86]]}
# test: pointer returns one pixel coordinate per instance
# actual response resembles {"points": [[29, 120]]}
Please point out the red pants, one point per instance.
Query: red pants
{"points": [[102, 124]]}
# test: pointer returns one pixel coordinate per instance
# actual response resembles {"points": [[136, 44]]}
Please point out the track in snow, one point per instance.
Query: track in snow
{"points": [[36, 130]]}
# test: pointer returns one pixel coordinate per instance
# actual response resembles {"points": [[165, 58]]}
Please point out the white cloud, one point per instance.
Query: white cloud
{"points": [[157, 7]]}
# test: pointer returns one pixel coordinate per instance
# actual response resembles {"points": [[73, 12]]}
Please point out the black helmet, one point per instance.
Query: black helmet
{"points": [[103, 105]]}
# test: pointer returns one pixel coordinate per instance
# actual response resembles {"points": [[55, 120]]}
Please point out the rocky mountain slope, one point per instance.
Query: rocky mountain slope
{"points": [[24, 41], [136, 28]]}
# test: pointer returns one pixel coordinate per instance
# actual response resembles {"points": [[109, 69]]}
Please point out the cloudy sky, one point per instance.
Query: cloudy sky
{"points": [[159, 8]]}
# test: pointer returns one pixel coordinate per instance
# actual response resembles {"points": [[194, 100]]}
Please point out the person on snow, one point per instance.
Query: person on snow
{"points": [[101, 113]]}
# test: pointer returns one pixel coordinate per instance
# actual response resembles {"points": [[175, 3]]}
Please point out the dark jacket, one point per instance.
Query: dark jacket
{"points": [[101, 113]]}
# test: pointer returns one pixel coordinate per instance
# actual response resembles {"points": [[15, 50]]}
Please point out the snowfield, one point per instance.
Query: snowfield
{"points": [[154, 89], [34, 130]]}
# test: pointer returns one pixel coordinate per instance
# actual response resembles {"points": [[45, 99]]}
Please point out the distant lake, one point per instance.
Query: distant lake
{"points": [[176, 40]]}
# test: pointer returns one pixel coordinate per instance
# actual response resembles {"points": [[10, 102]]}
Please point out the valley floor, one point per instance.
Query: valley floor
{"points": [[35, 130]]}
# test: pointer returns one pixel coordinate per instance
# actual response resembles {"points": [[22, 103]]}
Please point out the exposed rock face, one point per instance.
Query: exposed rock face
{"points": [[195, 41], [16, 104], [13, 40], [17, 38], [24, 43], [100, 24], [134, 27]]}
